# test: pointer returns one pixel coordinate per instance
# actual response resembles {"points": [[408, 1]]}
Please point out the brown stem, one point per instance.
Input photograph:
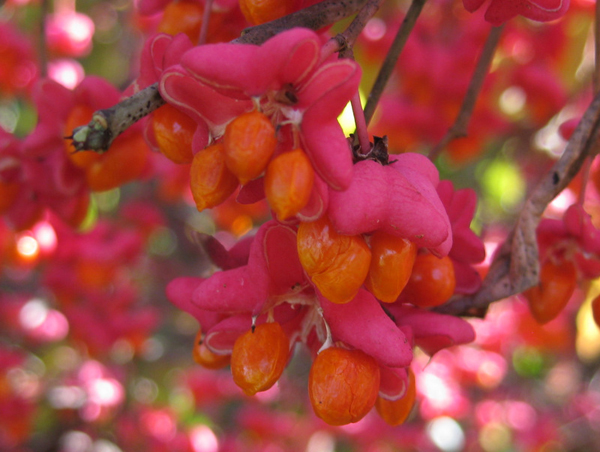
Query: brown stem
{"points": [[461, 123], [43, 48], [205, 22], [314, 17], [391, 58], [107, 124], [596, 75], [516, 266], [360, 21]]}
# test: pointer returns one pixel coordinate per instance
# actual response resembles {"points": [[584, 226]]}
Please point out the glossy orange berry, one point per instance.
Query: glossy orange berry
{"points": [[205, 357], [249, 143], [124, 162], [211, 181], [395, 412], [80, 115], [182, 16], [174, 131], [337, 264], [392, 260], [343, 385], [259, 357], [551, 295], [260, 11], [288, 183], [431, 282]]}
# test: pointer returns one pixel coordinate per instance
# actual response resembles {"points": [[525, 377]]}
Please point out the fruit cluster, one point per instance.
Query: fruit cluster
{"points": [[359, 303], [359, 250]]}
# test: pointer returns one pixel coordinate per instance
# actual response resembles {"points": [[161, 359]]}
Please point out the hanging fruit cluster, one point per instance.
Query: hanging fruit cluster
{"points": [[358, 252]]}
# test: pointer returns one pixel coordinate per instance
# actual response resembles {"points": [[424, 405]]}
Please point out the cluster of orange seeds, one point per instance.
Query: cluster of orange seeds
{"points": [[388, 266], [245, 153], [343, 383]]}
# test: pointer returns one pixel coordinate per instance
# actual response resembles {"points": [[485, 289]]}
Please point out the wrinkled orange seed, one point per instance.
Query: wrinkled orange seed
{"points": [[337, 264], [288, 183], [343, 385], [259, 357]]}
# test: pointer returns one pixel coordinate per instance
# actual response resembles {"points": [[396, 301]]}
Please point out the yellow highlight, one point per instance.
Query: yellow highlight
{"points": [[346, 117], [588, 334]]}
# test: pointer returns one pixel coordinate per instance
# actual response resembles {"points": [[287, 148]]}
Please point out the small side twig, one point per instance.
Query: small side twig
{"points": [[43, 47], [205, 22], [314, 17], [109, 123], [344, 42], [459, 128], [387, 68], [596, 76], [355, 28], [515, 267]]}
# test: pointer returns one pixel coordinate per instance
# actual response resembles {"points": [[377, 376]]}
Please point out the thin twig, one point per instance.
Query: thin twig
{"points": [[516, 266], [344, 42], [361, 125], [461, 123], [596, 75], [109, 123], [387, 68], [351, 33], [205, 22], [314, 17], [43, 47]]}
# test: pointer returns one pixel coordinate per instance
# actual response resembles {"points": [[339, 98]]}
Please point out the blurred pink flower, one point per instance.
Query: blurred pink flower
{"points": [[499, 11], [467, 247]]}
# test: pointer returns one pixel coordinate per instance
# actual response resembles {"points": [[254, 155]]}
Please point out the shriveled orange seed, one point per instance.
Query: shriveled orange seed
{"points": [[174, 131], [249, 143], [337, 264], [288, 183], [211, 181], [259, 357], [395, 412], [551, 295], [182, 16], [343, 385], [260, 11], [206, 358], [80, 115], [431, 282], [392, 260]]}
